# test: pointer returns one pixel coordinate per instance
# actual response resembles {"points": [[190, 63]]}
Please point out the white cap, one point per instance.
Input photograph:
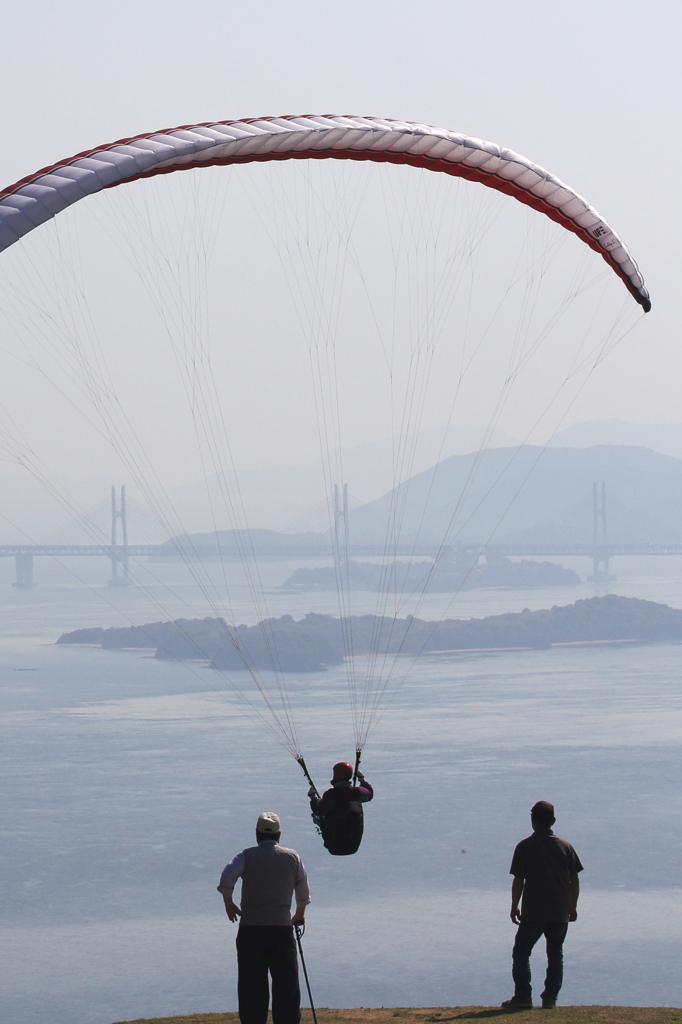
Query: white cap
{"points": [[268, 822]]}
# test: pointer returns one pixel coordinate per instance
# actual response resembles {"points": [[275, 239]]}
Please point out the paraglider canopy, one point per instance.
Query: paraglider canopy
{"points": [[40, 196]]}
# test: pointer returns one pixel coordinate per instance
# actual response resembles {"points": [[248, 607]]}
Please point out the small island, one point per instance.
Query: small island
{"points": [[315, 642], [445, 576]]}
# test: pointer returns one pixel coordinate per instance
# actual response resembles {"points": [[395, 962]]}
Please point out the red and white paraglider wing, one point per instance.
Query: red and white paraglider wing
{"points": [[39, 197]]}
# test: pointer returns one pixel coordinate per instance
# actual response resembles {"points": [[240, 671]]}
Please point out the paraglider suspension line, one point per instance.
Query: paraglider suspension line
{"points": [[300, 929], [358, 755], [307, 774]]}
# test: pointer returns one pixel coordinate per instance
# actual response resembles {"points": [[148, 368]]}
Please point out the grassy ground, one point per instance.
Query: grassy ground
{"points": [[449, 1014]]}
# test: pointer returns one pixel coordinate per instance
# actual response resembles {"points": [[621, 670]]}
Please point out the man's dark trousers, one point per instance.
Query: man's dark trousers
{"points": [[263, 949], [527, 935]]}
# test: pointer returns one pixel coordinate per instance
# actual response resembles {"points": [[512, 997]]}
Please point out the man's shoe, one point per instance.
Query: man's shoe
{"points": [[549, 1004], [518, 1003]]}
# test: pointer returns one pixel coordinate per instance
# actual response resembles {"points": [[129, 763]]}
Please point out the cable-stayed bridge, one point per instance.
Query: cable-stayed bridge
{"points": [[334, 542]]}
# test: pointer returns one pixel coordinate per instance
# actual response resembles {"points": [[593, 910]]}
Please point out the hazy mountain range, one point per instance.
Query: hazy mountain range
{"points": [[665, 438], [530, 494], [292, 498]]}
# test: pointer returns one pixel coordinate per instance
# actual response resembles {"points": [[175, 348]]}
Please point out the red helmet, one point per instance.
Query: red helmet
{"points": [[342, 772]]}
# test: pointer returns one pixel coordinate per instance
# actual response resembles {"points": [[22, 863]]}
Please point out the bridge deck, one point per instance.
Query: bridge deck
{"points": [[322, 551]]}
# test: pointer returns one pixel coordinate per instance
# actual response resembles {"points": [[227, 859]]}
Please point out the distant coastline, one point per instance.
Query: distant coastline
{"points": [[315, 642], [447, 576]]}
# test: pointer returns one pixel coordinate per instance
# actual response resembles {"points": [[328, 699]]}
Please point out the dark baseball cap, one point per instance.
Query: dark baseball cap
{"points": [[542, 811]]}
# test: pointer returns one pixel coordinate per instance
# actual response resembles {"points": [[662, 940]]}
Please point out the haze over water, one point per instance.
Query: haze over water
{"points": [[129, 783]]}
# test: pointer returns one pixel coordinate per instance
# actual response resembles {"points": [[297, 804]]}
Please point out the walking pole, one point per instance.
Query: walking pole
{"points": [[299, 928]]}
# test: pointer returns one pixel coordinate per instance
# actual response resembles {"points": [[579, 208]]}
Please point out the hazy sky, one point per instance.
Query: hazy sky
{"points": [[589, 90]]}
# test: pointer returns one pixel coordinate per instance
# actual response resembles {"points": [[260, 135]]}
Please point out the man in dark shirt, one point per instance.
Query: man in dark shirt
{"points": [[545, 870]]}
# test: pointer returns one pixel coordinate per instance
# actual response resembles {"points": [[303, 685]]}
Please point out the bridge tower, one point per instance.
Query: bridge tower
{"points": [[600, 546], [341, 537], [24, 570], [119, 552]]}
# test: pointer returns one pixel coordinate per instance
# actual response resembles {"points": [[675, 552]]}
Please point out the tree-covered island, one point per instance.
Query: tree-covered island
{"points": [[315, 642]]}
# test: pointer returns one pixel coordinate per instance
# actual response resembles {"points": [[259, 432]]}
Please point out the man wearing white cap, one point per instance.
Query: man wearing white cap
{"points": [[270, 876]]}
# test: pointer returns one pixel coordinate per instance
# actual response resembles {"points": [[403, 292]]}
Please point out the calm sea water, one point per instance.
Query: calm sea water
{"points": [[128, 783]]}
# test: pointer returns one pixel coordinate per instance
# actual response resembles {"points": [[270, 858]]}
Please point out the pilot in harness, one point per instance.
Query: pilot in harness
{"points": [[338, 812]]}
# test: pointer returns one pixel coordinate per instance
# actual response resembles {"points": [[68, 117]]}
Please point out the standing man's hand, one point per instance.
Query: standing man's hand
{"points": [[299, 916], [516, 893], [232, 910], [575, 893]]}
